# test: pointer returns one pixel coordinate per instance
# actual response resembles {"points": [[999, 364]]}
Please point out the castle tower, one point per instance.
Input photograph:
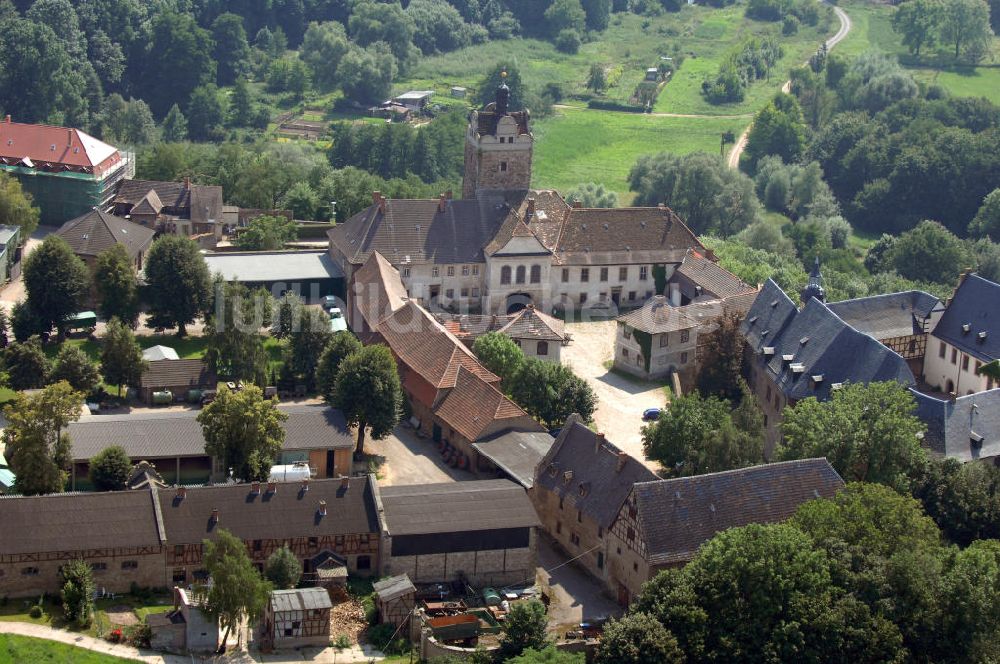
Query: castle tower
{"points": [[815, 286], [498, 146]]}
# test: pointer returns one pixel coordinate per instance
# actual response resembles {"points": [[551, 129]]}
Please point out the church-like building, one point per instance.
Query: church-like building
{"points": [[503, 245]]}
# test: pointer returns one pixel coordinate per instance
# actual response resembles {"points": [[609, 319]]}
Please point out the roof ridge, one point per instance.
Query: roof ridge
{"points": [[734, 471]]}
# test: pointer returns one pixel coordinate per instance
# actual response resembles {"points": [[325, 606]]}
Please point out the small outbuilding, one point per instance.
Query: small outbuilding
{"points": [[185, 629], [177, 377], [296, 618], [395, 599], [154, 353]]}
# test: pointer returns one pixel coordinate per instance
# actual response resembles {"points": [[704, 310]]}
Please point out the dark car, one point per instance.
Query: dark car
{"points": [[651, 414]]}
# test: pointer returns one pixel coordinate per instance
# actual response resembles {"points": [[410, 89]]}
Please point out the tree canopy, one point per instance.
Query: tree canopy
{"points": [[178, 284], [110, 469], [37, 448], [368, 392], [56, 281], [238, 594], [244, 430], [498, 353], [116, 285]]}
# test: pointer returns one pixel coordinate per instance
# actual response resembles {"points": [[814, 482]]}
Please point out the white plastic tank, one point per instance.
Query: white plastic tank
{"points": [[294, 472]]}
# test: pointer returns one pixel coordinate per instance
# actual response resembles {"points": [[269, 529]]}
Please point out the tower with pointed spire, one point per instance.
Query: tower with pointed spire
{"points": [[814, 289], [498, 147]]}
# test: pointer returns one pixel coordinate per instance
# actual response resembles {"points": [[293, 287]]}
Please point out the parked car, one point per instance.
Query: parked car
{"points": [[330, 302], [651, 414], [337, 322]]}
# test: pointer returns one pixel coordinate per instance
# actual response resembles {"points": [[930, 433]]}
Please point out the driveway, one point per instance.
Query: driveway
{"points": [[407, 459], [14, 291], [621, 398], [575, 595]]}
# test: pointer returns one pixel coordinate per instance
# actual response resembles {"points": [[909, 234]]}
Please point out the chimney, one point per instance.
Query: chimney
{"points": [[182, 492], [187, 183], [272, 487], [376, 197], [599, 442], [255, 488], [215, 514], [322, 508], [448, 194], [305, 484], [345, 482], [442, 202], [710, 254], [622, 458], [577, 204], [7, 119], [529, 210], [69, 137]]}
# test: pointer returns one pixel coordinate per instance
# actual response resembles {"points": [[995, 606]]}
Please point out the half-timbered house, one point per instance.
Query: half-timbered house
{"points": [[296, 618]]}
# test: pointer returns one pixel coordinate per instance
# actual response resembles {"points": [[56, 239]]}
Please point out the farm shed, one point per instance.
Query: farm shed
{"points": [[395, 599], [296, 618]]}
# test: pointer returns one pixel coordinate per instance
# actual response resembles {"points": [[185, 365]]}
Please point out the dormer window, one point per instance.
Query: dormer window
{"points": [[567, 477], [553, 471], [965, 328]]}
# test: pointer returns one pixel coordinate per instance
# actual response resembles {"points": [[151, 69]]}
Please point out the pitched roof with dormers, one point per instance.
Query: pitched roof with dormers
{"points": [[475, 408], [597, 236], [199, 202], [677, 516], [971, 319], [43, 145], [583, 466], [428, 348], [96, 231]]}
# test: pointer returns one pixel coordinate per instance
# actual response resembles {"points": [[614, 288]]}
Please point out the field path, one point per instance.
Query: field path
{"points": [[658, 115], [733, 160]]}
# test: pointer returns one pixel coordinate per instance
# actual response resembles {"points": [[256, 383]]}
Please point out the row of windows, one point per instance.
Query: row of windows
{"points": [[664, 338], [97, 567], [449, 293], [942, 350], [519, 274], [603, 273], [450, 271], [541, 347]]}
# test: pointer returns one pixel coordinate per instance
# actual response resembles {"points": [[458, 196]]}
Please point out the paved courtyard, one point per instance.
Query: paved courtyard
{"points": [[575, 596], [407, 459], [621, 398]]}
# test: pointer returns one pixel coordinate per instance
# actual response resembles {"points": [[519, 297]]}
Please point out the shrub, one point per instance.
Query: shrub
{"points": [[385, 638], [342, 642], [138, 635], [607, 105], [568, 41], [35, 611]]}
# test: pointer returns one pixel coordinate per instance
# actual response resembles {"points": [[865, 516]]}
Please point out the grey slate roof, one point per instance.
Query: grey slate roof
{"points": [[593, 462], [177, 433], [300, 599], [888, 316], [286, 513], [517, 453], [976, 303], [267, 266], [966, 429], [94, 232], [454, 507], [819, 343], [677, 516], [177, 373], [201, 202]]}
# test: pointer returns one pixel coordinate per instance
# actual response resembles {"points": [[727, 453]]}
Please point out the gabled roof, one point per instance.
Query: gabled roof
{"points": [[971, 319], [55, 145], [966, 429], [154, 353], [623, 235], [200, 202], [451, 507], [176, 373], [677, 516], [97, 231], [426, 347], [888, 316], [415, 231], [288, 512], [474, 407], [656, 316], [530, 323], [714, 280], [178, 434], [78, 522], [393, 587], [378, 290], [814, 342], [584, 466], [150, 204], [517, 453], [300, 599]]}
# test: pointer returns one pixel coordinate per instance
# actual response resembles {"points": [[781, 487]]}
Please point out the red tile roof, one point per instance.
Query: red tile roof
{"points": [[45, 144], [474, 406]]}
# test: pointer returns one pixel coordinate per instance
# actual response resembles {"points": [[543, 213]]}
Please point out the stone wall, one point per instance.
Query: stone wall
{"points": [[485, 568], [574, 532], [115, 571]]}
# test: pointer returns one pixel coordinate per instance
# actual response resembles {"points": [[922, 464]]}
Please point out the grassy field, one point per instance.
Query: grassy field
{"points": [[579, 145], [20, 649], [873, 31]]}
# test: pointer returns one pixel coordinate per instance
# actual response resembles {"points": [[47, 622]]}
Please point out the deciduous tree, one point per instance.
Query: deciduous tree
{"points": [[74, 366], [499, 354], [929, 252], [722, 363], [37, 448], [322, 48], [638, 638], [16, 207], [337, 349], [238, 594], [177, 60], [235, 345], [266, 233], [26, 365], [966, 25], [306, 345], [232, 52], [77, 592], [121, 357], [56, 281], [986, 223], [244, 430], [917, 21], [179, 286], [368, 392], [592, 195], [283, 569], [524, 629], [110, 469], [117, 286]]}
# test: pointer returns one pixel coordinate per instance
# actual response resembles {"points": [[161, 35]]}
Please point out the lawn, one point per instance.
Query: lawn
{"points": [[19, 649], [578, 145], [873, 31]]}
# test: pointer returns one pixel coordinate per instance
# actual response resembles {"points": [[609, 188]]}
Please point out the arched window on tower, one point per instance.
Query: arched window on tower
{"points": [[520, 274], [505, 274], [536, 274]]}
